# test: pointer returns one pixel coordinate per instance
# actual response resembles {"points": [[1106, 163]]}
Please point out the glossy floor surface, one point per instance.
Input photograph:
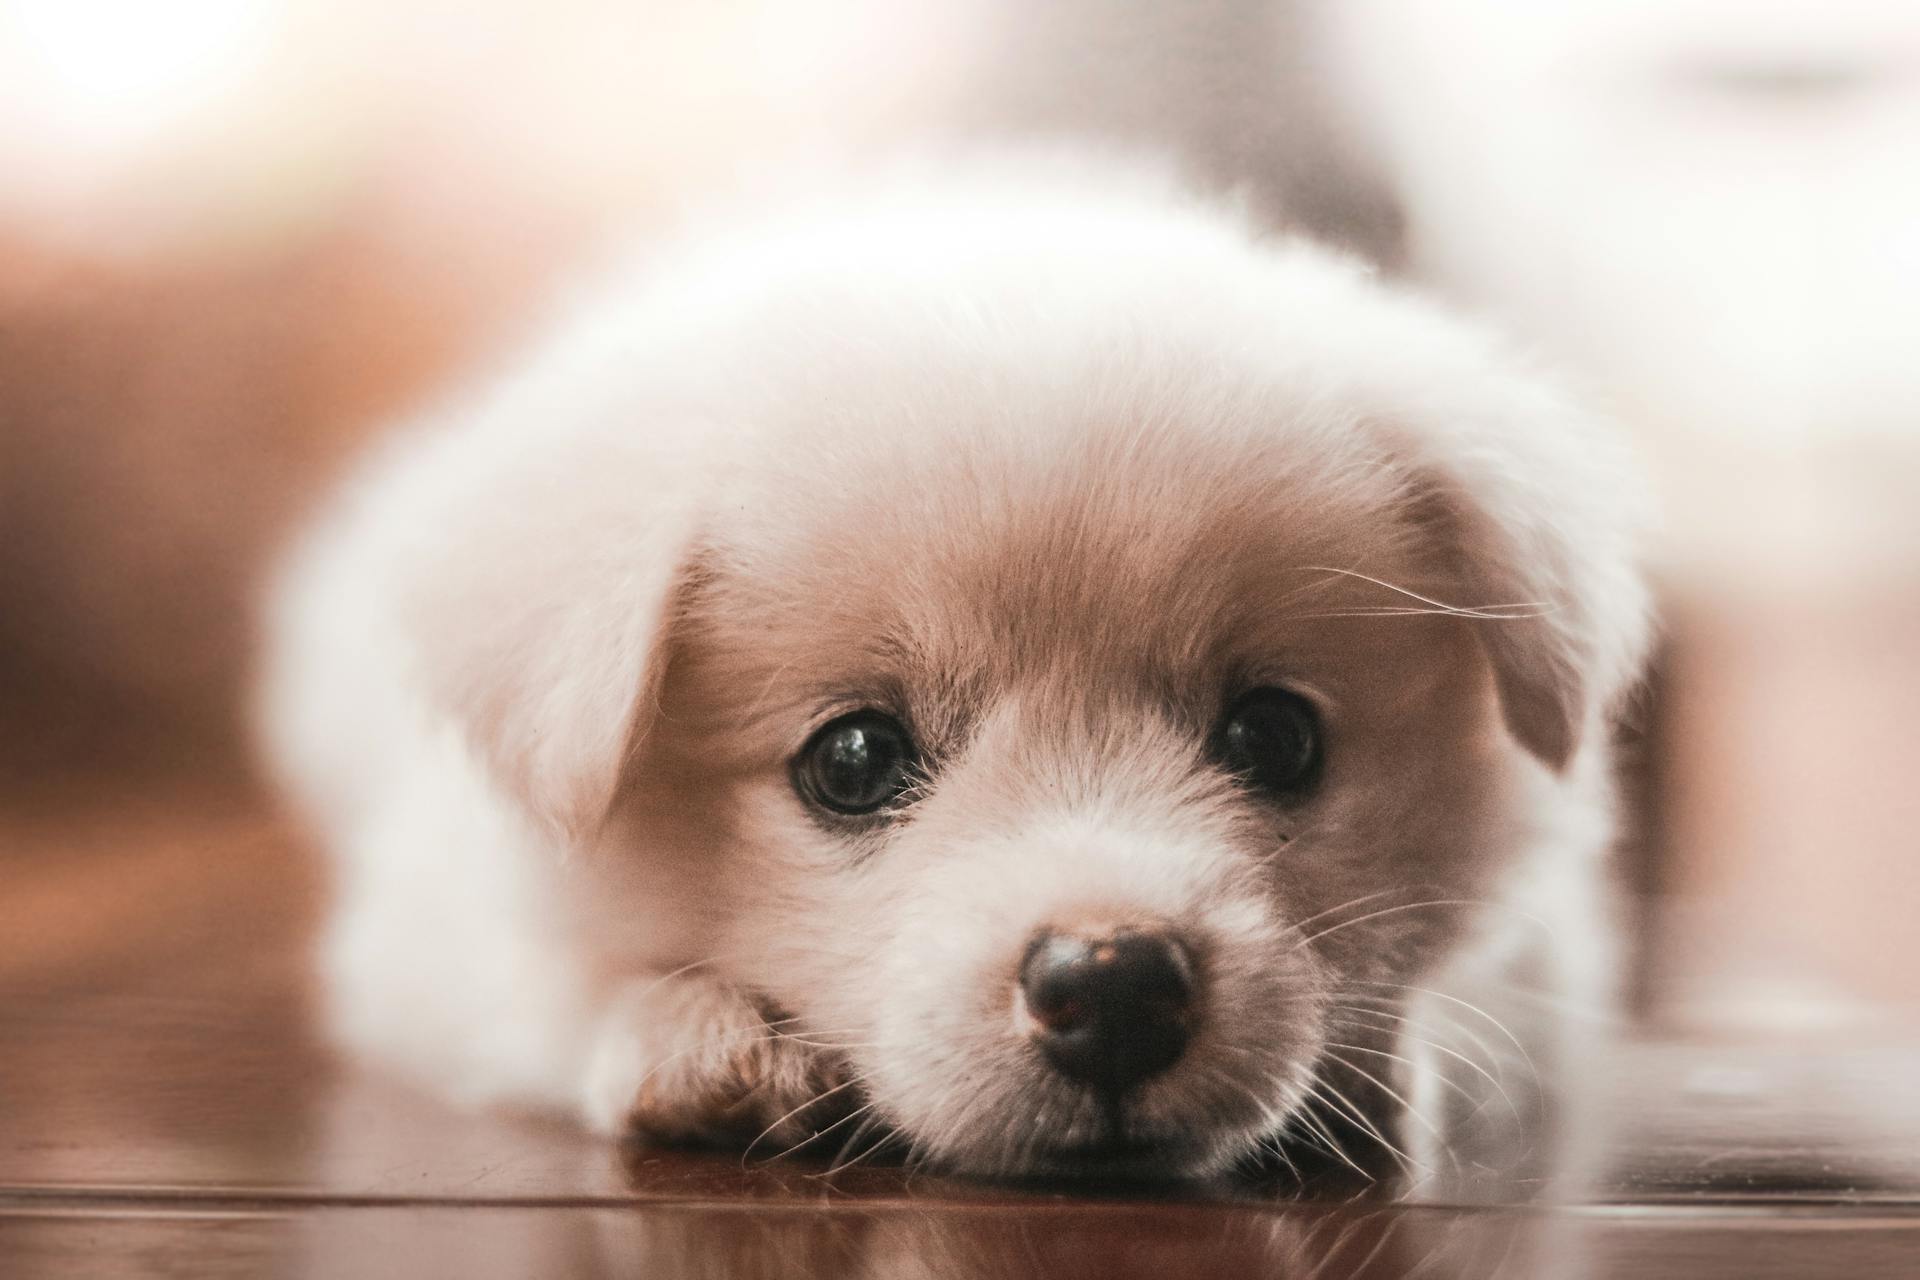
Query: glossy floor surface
{"points": [[165, 1108]]}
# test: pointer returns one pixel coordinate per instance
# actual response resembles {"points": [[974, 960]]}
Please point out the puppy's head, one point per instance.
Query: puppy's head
{"points": [[1091, 663]]}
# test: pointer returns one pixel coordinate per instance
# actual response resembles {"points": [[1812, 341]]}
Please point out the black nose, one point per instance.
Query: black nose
{"points": [[1110, 1011]]}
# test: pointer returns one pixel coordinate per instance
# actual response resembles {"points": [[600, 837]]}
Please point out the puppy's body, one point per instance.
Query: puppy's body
{"points": [[1051, 474]]}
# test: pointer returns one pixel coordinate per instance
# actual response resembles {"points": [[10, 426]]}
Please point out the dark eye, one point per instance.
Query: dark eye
{"points": [[855, 764], [1271, 739]]}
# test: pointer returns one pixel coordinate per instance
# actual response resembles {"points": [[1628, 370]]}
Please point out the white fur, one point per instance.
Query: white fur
{"points": [[561, 880]]}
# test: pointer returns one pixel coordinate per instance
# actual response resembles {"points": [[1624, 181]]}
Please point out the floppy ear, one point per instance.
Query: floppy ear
{"points": [[536, 590], [1541, 524]]}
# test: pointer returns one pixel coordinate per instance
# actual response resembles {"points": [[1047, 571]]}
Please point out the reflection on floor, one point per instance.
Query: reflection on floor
{"points": [[165, 1108]]}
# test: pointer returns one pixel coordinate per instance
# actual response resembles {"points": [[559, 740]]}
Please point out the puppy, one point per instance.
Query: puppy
{"points": [[1003, 661]]}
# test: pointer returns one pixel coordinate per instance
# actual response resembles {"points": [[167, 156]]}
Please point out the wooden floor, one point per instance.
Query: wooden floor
{"points": [[166, 1110]]}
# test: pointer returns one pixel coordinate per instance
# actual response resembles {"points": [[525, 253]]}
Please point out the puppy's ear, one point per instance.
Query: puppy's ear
{"points": [[1542, 527], [537, 593]]}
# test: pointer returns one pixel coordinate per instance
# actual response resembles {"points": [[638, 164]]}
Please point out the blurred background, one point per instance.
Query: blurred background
{"points": [[238, 236]]}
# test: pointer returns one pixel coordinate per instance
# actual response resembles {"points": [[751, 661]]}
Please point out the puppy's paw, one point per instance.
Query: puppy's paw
{"points": [[692, 1060]]}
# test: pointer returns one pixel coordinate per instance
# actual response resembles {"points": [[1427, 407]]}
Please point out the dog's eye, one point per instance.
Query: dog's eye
{"points": [[855, 764], [1271, 739]]}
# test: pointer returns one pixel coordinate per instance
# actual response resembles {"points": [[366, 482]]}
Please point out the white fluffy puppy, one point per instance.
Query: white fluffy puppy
{"points": [[1008, 650]]}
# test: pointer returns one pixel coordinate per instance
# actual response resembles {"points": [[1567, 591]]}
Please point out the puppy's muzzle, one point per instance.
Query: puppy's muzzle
{"points": [[1111, 1010]]}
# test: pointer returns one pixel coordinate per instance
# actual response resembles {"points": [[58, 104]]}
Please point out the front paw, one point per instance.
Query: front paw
{"points": [[691, 1060]]}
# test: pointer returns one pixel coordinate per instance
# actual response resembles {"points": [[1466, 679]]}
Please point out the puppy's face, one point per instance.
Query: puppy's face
{"points": [[1075, 779], [1037, 683]]}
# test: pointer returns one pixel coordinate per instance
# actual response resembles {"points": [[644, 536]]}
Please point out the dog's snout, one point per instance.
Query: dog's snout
{"points": [[1112, 1010]]}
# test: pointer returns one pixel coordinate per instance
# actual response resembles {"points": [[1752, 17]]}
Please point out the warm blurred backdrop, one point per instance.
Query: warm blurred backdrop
{"points": [[238, 236]]}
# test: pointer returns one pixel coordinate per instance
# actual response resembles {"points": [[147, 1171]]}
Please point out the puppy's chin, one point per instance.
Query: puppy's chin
{"points": [[1163, 1159], [1201, 1149], [1101, 1142]]}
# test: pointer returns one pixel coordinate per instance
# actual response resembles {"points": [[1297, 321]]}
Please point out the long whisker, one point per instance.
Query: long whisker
{"points": [[1514, 613], [1273, 1144], [1335, 1096], [818, 1097], [1498, 1025], [1328, 1143], [1351, 902], [1387, 911], [1316, 586], [840, 1046], [669, 976], [1465, 611], [1406, 1107], [1384, 1087], [857, 1112], [888, 1137], [1479, 1103], [1351, 1001], [870, 1119], [1437, 1047]]}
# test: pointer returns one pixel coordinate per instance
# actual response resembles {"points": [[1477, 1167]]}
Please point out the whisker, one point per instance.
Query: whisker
{"points": [[1327, 1142], [1436, 1046], [1491, 612], [840, 1046], [1351, 902], [669, 976], [1458, 1056], [870, 1122], [1497, 1061], [1317, 586], [1498, 1025], [1272, 1143], [870, 1119], [1479, 1103], [1354, 1110], [1407, 1107], [1387, 911], [1512, 613], [818, 1097], [815, 1137], [1335, 1096]]}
